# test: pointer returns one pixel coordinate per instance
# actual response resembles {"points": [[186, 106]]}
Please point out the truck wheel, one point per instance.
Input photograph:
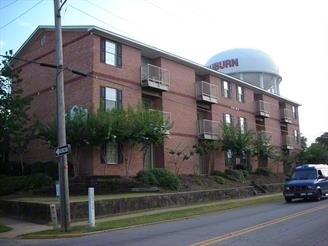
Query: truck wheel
{"points": [[288, 199], [318, 198]]}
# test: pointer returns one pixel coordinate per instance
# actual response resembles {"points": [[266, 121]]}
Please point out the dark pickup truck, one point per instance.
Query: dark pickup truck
{"points": [[309, 181]]}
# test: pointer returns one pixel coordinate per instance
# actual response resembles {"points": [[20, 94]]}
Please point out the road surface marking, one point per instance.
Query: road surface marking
{"points": [[256, 227]]}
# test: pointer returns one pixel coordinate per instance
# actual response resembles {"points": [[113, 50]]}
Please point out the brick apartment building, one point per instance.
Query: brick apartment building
{"points": [[124, 71]]}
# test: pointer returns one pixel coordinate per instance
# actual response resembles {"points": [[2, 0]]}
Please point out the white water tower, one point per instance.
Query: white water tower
{"points": [[250, 65]]}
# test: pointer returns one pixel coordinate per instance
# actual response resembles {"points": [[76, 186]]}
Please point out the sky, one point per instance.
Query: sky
{"points": [[293, 32]]}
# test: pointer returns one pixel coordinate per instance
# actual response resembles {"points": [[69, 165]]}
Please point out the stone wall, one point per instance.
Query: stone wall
{"points": [[40, 213]]}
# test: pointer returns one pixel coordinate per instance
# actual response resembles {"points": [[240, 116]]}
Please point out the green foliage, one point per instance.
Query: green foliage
{"points": [[207, 146], [316, 153], [263, 150], [237, 141], [4, 228], [159, 177], [13, 184], [147, 177], [235, 175], [219, 179], [126, 127], [323, 140], [264, 171], [15, 132], [210, 148], [48, 168]]}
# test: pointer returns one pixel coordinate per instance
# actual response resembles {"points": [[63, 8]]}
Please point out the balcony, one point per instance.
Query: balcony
{"points": [[262, 108], [208, 129], [286, 115], [155, 77], [206, 92], [287, 142]]}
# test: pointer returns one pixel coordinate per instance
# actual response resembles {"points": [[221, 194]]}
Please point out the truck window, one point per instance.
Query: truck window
{"points": [[305, 174]]}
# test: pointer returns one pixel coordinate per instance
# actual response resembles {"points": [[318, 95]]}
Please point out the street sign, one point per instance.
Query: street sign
{"points": [[63, 150]]}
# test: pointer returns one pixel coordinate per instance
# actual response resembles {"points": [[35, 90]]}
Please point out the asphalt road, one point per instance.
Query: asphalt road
{"points": [[295, 224]]}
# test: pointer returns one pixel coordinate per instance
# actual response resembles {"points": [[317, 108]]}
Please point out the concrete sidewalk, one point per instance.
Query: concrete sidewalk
{"points": [[20, 227]]}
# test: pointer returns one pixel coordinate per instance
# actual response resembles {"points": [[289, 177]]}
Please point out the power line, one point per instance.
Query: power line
{"points": [[89, 75], [8, 5], [83, 12], [42, 64], [158, 7], [106, 10], [21, 14]]}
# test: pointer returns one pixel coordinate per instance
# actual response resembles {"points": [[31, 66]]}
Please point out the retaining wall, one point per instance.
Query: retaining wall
{"points": [[40, 212]]}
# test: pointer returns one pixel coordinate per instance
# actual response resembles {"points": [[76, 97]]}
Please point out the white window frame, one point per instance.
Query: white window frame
{"points": [[243, 124], [227, 119], [110, 98], [110, 153], [226, 89], [240, 93], [111, 53]]}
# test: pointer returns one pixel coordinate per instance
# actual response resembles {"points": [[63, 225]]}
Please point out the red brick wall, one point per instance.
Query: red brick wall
{"points": [[82, 53]]}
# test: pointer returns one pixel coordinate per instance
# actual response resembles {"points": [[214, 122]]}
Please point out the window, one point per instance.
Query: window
{"points": [[242, 125], [226, 89], [227, 119], [111, 53], [294, 110], [228, 158], [240, 94], [110, 98], [296, 136], [111, 153]]}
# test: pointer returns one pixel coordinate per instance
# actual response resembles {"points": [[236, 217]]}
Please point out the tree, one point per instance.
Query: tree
{"points": [[15, 131], [76, 134], [83, 128], [263, 150], [316, 153], [208, 148], [178, 155], [139, 126], [156, 126], [238, 142], [125, 128], [323, 140]]}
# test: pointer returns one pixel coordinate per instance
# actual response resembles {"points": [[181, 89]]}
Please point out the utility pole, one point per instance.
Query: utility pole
{"points": [[62, 158]]}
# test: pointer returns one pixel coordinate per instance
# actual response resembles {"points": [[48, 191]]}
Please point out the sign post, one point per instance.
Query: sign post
{"points": [[61, 129]]}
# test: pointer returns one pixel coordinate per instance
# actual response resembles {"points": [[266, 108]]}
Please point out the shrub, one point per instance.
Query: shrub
{"points": [[246, 173], [39, 180], [217, 173], [219, 179], [160, 177], [235, 175], [264, 171], [13, 184], [147, 177]]}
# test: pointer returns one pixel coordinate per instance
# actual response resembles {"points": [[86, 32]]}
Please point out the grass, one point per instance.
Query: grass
{"points": [[4, 228], [53, 199], [155, 217]]}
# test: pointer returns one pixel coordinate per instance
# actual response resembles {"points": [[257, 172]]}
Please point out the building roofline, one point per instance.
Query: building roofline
{"points": [[151, 52]]}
